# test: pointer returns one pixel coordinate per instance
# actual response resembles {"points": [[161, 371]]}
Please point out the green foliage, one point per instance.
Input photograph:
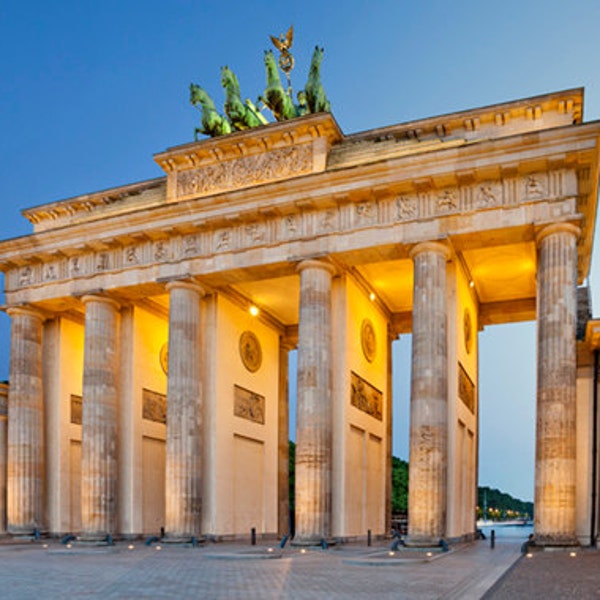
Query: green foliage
{"points": [[501, 505], [399, 486]]}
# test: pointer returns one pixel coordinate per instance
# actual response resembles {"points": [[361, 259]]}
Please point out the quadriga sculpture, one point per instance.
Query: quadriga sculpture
{"points": [[213, 123]]}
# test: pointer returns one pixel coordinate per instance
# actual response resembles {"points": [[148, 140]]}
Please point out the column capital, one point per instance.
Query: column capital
{"points": [[557, 228], [185, 285], [316, 263], [26, 311], [437, 247], [100, 298]]}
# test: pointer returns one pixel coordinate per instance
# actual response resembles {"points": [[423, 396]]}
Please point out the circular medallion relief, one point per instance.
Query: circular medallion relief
{"points": [[163, 357], [468, 330], [368, 340], [250, 351]]}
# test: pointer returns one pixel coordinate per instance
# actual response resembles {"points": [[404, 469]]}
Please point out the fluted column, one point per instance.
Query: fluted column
{"points": [[25, 485], [428, 399], [99, 419], [314, 411], [555, 468], [184, 414], [283, 443]]}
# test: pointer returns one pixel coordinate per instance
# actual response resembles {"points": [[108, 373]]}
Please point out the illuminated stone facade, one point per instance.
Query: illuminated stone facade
{"points": [[339, 243]]}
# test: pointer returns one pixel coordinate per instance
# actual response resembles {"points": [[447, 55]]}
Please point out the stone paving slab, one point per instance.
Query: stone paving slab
{"points": [[34, 572], [551, 575]]}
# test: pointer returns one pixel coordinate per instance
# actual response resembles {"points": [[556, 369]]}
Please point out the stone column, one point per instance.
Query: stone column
{"points": [[184, 414], [283, 434], [3, 448], [555, 468], [428, 401], [25, 452], [314, 410], [99, 419]]}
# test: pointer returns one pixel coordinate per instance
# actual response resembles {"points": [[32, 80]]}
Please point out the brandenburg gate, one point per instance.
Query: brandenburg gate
{"points": [[151, 325]]}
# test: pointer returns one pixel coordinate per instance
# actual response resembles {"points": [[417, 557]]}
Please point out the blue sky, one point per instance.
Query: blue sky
{"points": [[91, 90]]}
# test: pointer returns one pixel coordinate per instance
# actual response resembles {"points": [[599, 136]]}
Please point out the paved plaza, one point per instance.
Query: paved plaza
{"points": [[29, 571], [240, 571]]}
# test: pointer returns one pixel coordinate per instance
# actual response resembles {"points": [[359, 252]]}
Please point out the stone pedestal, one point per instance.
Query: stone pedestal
{"points": [[428, 401], [314, 411], [555, 467], [184, 415], [25, 452], [99, 419]]}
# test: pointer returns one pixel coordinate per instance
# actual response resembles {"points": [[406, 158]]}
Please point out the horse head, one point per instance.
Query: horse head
{"points": [[317, 57], [229, 80], [199, 96]]}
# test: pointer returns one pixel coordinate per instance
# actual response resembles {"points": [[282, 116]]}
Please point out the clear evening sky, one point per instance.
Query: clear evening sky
{"points": [[90, 90]]}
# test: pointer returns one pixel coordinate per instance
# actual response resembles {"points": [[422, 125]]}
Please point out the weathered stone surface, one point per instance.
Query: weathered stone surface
{"points": [[556, 432], [428, 402], [184, 414], [99, 419], [314, 411], [25, 484]]}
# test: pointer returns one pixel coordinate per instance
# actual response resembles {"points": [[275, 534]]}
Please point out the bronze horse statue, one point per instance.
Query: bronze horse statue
{"points": [[275, 98], [315, 94], [213, 123], [240, 114]]}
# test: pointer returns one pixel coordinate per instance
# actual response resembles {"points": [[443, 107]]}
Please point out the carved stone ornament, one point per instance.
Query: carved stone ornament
{"points": [[250, 351], [365, 397], [246, 171], [468, 330], [248, 405], [163, 357], [368, 340]]}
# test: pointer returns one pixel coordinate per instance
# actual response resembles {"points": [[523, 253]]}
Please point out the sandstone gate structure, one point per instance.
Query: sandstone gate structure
{"points": [[151, 325]]}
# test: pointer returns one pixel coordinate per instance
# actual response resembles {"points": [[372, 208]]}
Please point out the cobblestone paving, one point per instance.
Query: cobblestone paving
{"points": [[551, 575], [228, 571]]}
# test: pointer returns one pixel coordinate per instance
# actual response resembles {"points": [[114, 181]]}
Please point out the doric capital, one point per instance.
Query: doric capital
{"points": [[26, 311], [186, 285], [437, 247], [100, 298], [558, 228], [313, 263]]}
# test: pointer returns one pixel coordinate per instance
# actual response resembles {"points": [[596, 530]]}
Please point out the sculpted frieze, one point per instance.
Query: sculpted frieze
{"points": [[301, 223], [245, 171]]}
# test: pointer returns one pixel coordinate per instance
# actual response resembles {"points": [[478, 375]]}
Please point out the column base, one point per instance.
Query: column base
{"points": [[313, 541], [182, 539], [556, 541], [95, 539], [424, 541]]}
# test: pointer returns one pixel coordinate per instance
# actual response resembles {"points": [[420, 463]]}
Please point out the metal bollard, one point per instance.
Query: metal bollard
{"points": [[253, 536], [369, 537], [493, 539]]}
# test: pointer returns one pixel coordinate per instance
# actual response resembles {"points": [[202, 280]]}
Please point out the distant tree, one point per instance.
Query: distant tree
{"points": [[399, 486], [501, 505]]}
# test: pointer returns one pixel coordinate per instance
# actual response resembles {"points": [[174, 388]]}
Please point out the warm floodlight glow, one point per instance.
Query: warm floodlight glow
{"points": [[303, 551], [529, 555], [159, 547], [572, 554], [45, 546], [429, 554], [254, 310], [68, 545], [269, 549], [391, 553], [471, 283], [372, 296], [131, 546]]}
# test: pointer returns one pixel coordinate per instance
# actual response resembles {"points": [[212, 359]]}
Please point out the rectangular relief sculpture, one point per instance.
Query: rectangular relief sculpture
{"points": [[366, 397], [248, 405]]}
